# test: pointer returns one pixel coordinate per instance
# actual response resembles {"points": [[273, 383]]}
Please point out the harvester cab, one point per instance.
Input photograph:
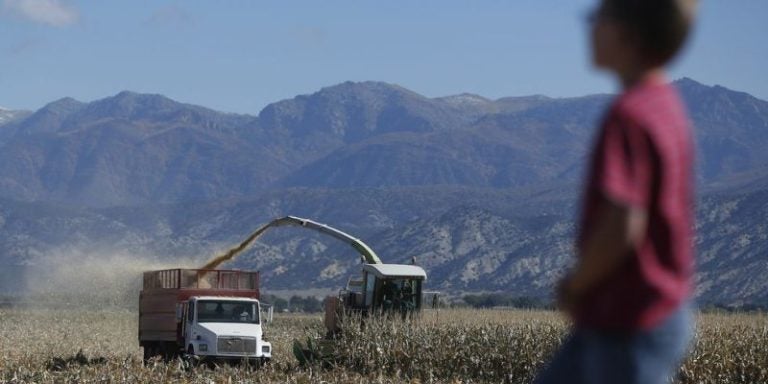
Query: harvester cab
{"points": [[385, 288]]}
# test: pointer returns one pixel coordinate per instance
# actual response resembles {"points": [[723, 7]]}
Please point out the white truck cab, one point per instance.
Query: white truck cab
{"points": [[227, 328]]}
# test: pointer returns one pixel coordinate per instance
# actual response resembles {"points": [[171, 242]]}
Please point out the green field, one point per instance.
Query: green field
{"points": [[467, 346]]}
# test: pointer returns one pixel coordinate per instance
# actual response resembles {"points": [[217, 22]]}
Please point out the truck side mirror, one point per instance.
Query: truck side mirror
{"points": [[267, 311]]}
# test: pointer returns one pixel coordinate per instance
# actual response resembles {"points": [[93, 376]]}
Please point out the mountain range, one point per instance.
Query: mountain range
{"points": [[482, 192]]}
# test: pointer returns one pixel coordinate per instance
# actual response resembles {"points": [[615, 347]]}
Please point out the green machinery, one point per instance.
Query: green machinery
{"points": [[381, 289]]}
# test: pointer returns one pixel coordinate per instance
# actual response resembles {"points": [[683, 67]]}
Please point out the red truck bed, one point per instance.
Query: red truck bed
{"points": [[163, 290]]}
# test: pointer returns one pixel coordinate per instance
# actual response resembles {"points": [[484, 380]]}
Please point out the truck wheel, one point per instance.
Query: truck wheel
{"points": [[190, 360], [254, 364], [169, 351], [191, 357], [150, 351]]}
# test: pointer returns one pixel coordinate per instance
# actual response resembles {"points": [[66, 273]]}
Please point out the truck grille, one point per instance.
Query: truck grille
{"points": [[237, 345]]}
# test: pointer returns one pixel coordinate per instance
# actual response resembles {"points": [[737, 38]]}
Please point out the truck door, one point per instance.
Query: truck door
{"points": [[181, 321], [189, 319]]}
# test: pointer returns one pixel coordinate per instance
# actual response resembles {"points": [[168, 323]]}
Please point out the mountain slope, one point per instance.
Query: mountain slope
{"points": [[351, 112], [130, 149], [532, 145], [7, 117], [467, 239], [136, 149], [482, 192], [732, 248], [731, 129]]}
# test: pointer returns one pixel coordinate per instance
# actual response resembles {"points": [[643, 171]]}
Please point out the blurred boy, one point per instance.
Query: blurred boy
{"points": [[628, 293]]}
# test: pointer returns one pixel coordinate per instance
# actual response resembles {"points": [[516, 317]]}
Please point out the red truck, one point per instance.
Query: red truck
{"points": [[206, 314]]}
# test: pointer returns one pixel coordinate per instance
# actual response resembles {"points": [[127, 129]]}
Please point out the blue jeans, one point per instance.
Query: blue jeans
{"points": [[591, 356]]}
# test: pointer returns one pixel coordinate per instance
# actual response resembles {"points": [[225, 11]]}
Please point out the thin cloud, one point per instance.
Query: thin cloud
{"points": [[49, 12], [310, 36], [171, 15], [25, 46]]}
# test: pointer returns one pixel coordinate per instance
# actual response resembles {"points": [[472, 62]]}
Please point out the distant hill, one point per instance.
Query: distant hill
{"points": [[531, 145], [468, 239], [483, 193], [129, 149], [134, 149], [731, 129], [733, 246]]}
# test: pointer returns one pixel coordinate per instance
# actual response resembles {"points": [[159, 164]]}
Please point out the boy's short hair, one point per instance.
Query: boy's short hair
{"points": [[658, 28]]}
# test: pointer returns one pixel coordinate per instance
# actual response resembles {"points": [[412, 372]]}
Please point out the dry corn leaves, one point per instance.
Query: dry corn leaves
{"points": [[452, 346]]}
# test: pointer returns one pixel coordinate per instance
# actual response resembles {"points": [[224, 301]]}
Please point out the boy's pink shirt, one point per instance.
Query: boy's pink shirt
{"points": [[643, 158]]}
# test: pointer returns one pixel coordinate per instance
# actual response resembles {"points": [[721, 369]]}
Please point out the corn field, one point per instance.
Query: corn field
{"points": [[452, 346]]}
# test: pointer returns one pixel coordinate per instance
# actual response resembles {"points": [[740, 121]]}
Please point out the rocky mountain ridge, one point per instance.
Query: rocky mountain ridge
{"points": [[135, 149], [481, 192]]}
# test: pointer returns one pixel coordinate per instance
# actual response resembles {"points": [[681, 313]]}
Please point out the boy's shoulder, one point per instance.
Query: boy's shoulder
{"points": [[649, 103]]}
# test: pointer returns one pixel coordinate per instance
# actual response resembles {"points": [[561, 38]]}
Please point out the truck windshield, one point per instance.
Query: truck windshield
{"points": [[224, 311]]}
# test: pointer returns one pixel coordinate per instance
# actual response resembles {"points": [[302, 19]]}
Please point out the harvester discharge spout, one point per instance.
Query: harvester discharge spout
{"points": [[363, 249]]}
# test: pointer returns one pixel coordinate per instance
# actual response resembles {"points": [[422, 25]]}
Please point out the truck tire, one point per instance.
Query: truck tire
{"points": [[190, 360], [169, 351], [150, 351]]}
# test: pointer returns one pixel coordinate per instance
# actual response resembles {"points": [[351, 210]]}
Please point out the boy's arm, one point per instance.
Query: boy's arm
{"points": [[617, 229]]}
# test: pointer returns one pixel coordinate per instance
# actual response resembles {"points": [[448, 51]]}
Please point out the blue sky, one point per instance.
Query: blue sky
{"points": [[238, 56]]}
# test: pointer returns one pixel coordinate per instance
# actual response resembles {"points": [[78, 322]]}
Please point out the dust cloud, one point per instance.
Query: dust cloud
{"points": [[71, 278], [91, 279]]}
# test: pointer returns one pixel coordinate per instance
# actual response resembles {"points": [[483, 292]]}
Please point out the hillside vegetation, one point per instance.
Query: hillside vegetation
{"points": [[483, 193]]}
